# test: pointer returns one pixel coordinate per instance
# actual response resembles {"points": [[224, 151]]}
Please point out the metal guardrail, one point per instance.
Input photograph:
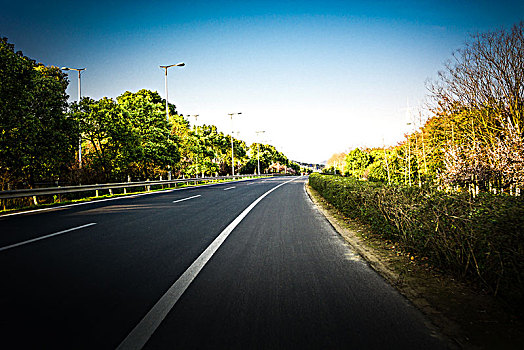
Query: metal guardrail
{"points": [[110, 186]]}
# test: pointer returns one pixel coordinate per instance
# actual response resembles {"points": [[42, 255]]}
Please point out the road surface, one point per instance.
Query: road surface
{"points": [[240, 265]]}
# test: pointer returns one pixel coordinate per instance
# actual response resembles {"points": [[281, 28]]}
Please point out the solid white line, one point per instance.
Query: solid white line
{"points": [[188, 198], [229, 188], [147, 326], [44, 237]]}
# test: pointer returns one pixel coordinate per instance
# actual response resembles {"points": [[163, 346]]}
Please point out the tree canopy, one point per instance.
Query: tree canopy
{"points": [[37, 138], [123, 138]]}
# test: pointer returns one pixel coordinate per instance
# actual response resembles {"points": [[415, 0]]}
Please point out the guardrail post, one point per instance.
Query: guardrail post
{"points": [[96, 193]]}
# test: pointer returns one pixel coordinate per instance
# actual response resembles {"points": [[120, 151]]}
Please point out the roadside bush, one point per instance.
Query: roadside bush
{"points": [[479, 238]]}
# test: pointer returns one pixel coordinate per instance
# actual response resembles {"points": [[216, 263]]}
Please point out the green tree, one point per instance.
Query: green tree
{"points": [[356, 163], [378, 169], [37, 137], [295, 167], [268, 154], [214, 147], [159, 148], [109, 142]]}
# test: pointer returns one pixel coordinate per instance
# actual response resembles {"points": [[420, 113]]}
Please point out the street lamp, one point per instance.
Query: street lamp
{"points": [[79, 70], [258, 147], [196, 117], [194, 130], [181, 64], [232, 156]]}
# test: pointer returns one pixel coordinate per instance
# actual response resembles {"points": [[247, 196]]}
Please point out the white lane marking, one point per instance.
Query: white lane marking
{"points": [[186, 199], [229, 188], [147, 326], [111, 199], [47, 236]]}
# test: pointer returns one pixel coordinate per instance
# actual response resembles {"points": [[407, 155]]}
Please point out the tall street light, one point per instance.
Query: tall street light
{"points": [[194, 130], [194, 116], [181, 64], [79, 70], [258, 147], [232, 131]]}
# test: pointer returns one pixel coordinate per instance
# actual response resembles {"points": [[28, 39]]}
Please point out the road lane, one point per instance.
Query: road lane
{"points": [[285, 280], [91, 288], [147, 326]]}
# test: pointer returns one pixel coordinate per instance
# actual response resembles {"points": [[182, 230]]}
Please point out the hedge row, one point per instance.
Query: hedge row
{"points": [[479, 238]]}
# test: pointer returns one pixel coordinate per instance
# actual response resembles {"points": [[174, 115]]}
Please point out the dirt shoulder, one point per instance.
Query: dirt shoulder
{"points": [[469, 318]]}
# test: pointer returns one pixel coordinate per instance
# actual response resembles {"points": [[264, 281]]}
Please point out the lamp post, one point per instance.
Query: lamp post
{"points": [[232, 156], [79, 70], [181, 64], [194, 116], [194, 130], [258, 148]]}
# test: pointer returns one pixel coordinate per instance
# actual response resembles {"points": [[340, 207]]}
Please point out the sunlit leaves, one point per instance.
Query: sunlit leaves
{"points": [[37, 139]]}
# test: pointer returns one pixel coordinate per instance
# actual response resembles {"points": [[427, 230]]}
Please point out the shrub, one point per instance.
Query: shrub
{"points": [[479, 238]]}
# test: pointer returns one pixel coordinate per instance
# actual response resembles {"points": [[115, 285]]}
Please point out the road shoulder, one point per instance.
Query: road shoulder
{"points": [[469, 318]]}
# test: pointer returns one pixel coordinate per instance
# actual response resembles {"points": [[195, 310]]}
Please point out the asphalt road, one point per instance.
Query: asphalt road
{"points": [[181, 269]]}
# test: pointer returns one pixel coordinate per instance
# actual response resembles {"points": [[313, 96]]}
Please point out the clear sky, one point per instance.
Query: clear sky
{"points": [[319, 77]]}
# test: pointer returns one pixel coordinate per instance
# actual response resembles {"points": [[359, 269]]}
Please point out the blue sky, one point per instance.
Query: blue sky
{"points": [[318, 77]]}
